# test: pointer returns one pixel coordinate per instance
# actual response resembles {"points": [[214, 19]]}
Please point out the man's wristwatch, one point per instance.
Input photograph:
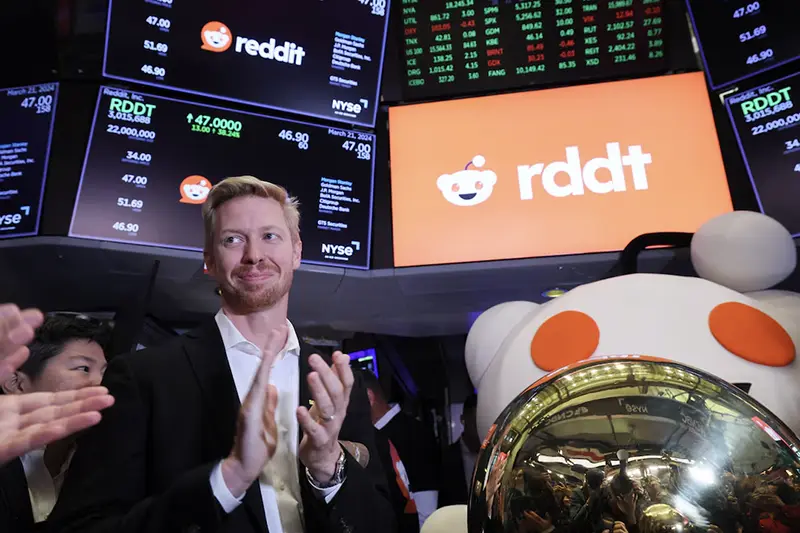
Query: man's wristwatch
{"points": [[338, 473]]}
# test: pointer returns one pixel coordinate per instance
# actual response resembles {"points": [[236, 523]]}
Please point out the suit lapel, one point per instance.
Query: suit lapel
{"points": [[14, 496], [207, 356], [306, 400]]}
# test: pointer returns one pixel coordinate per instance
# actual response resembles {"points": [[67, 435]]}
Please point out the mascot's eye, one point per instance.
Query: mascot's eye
{"points": [[751, 334], [455, 187], [478, 185]]}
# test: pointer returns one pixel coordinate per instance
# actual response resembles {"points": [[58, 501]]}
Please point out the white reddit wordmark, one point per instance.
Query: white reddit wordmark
{"points": [[582, 177], [468, 187]]}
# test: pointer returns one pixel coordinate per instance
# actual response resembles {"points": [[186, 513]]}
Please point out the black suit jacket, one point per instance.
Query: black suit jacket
{"points": [[407, 520], [417, 448], [146, 467], [16, 515], [453, 489]]}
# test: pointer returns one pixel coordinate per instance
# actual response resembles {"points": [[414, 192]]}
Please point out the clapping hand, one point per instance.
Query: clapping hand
{"points": [[30, 421], [256, 433], [330, 387], [16, 331]]}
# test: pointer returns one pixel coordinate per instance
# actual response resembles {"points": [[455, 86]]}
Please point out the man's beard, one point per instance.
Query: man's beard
{"points": [[250, 299]]}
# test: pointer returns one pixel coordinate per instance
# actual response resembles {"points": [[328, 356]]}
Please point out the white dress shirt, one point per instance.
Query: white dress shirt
{"points": [[426, 500], [280, 482], [43, 489], [386, 418]]}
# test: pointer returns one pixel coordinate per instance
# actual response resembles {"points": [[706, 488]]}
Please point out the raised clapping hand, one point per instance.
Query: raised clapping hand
{"points": [[16, 331], [256, 432], [30, 421], [330, 387]]}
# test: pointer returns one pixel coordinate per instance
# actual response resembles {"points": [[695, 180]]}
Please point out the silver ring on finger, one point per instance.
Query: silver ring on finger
{"points": [[325, 418]]}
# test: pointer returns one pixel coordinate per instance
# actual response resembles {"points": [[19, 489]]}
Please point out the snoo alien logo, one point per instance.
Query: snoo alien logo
{"points": [[468, 187], [216, 37]]}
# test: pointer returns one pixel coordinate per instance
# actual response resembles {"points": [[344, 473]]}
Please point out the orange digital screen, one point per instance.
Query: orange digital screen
{"points": [[554, 172]]}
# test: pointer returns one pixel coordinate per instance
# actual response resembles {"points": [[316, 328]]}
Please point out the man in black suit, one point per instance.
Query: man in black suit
{"points": [[234, 427], [415, 446], [459, 459], [397, 476]]}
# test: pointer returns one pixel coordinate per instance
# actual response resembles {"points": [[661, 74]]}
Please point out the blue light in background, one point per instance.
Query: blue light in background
{"points": [[365, 359], [472, 317]]}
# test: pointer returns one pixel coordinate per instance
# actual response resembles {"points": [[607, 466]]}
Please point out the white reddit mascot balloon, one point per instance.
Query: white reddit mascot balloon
{"points": [[726, 322], [449, 519]]}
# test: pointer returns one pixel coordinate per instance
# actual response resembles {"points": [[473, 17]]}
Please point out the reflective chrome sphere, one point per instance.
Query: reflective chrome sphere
{"points": [[640, 445]]}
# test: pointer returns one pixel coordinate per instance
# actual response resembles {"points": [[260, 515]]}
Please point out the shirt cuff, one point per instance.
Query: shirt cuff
{"points": [[326, 494], [228, 501]]}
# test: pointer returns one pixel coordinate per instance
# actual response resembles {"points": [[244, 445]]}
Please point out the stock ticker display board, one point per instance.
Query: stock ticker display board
{"points": [[27, 115], [742, 38], [151, 162], [767, 127], [468, 46], [320, 59]]}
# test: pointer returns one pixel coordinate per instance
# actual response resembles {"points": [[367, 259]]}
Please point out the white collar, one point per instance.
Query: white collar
{"points": [[32, 458], [232, 337], [34, 461], [385, 419]]}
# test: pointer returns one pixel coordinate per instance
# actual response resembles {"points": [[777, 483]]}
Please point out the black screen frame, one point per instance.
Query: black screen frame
{"points": [[193, 94]]}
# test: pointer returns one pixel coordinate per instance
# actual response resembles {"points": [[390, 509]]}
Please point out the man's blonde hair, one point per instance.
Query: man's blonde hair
{"points": [[241, 186]]}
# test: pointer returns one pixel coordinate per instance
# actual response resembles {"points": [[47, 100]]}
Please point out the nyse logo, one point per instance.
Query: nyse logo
{"points": [[10, 219], [340, 251], [337, 249], [13, 219], [349, 109]]}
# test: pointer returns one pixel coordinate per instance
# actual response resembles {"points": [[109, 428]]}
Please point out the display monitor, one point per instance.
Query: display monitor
{"points": [[27, 115], [151, 162], [365, 360], [741, 38], [767, 127], [471, 46], [561, 171], [320, 59]]}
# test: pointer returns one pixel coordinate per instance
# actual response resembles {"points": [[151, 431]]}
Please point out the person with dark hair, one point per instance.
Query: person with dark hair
{"points": [[532, 504], [402, 499], [67, 353], [585, 502], [622, 510], [414, 445], [460, 457]]}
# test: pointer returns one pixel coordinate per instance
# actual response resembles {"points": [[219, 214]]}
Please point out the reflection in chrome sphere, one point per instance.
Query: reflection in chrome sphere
{"points": [[636, 445]]}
